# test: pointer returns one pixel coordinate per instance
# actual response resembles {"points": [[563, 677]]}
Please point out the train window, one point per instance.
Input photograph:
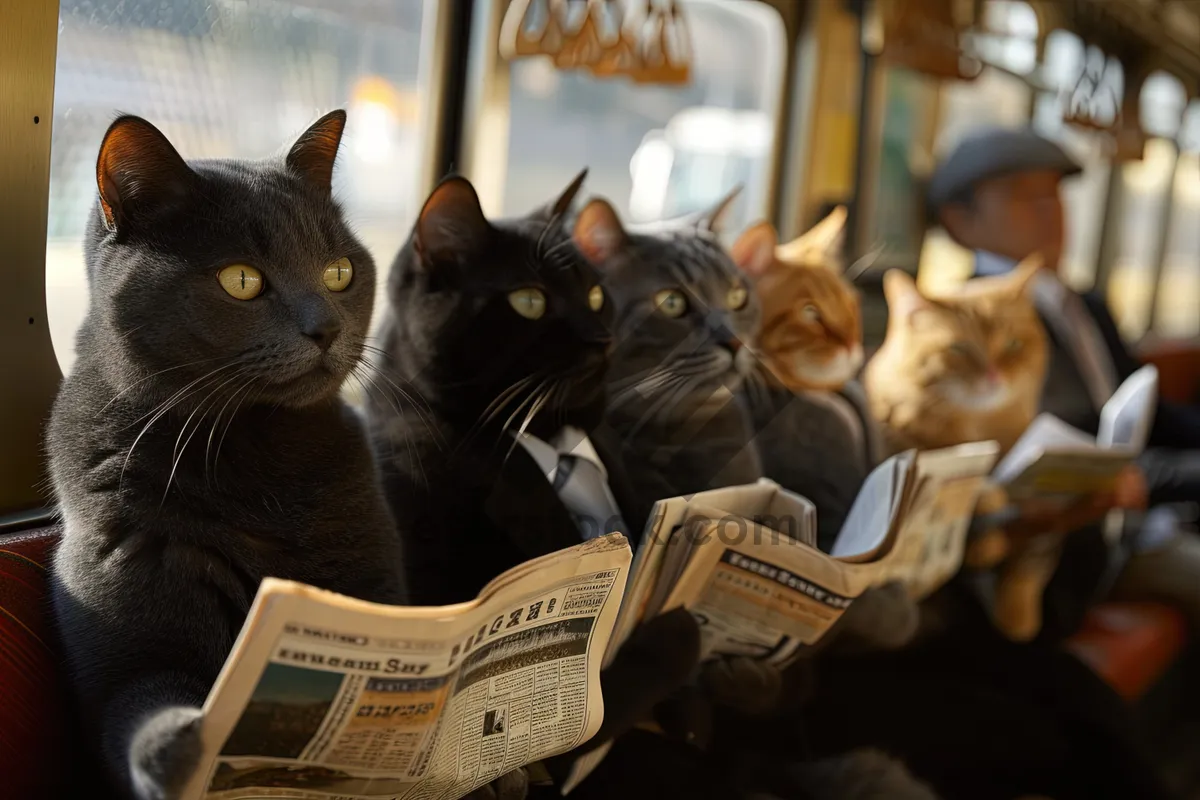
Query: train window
{"points": [[234, 79], [1084, 197], [656, 152], [1177, 311], [1011, 38], [1148, 187]]}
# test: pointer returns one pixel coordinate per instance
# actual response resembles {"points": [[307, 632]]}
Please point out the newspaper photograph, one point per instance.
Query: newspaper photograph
{"points": [[327, 697]]}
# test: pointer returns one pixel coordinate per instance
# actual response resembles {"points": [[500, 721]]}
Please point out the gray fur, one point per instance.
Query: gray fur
{"points": [[200, 444], [673, 381], [809, 444], [859, 775]]}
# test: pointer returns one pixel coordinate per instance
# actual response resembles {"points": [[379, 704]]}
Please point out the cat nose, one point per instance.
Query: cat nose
{"points": [[322, 330], [732, 344]]}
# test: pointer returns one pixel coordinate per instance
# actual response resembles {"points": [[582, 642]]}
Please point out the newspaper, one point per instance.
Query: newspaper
{"points": [[743, 560], [328, 697], [1055, 461]]}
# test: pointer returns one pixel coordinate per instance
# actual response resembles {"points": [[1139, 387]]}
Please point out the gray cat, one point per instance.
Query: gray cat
{"points": [[684, 314], [200, 444]]}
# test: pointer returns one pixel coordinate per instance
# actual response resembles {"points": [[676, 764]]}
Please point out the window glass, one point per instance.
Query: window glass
{"points": [[994, 99], [1162, 103], [1085, 195], [1010, 35], [234, 78], [1150, 192], [1178, 309], [656, 151]]}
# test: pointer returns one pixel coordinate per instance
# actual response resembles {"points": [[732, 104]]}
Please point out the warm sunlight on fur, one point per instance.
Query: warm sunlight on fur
{"points": [[965, 366], [811, 334]]}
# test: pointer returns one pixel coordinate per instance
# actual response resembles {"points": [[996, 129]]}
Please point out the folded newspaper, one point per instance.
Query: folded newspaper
{"points": [[1056, 461], [744, 559], [328, 697]]}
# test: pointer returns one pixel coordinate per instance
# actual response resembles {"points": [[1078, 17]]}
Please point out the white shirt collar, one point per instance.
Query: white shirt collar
{"points": [[568, 441], [991, 264]]}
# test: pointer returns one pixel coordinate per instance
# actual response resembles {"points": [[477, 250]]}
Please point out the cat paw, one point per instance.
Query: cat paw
{"points": [[510, 786], [859, 775], [992, 498], [989, 549], [743, 683], [165, 752], [881, 618]]}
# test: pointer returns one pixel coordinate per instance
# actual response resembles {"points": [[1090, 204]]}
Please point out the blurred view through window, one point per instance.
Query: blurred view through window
{"points": [[657, 151], [235, 78]]}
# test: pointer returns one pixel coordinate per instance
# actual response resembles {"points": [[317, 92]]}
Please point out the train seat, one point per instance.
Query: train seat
{"points": [[35, 733]]}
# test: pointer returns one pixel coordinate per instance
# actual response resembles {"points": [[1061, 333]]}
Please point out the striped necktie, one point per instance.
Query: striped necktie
{"points": [[1076, 328]]}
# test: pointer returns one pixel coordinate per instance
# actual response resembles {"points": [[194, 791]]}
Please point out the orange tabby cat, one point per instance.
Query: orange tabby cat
{"points": [[965, 367], [811, 336]]}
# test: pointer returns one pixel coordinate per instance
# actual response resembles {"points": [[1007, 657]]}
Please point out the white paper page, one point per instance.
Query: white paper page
{"points": [[1046, 432], [869, 520], [1127, 417]]}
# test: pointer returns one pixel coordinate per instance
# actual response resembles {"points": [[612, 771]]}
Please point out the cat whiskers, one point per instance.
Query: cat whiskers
{"points": [[540, 397], [151, 376], [163, 408], [368, 379], [244, 388], [202, 406]]}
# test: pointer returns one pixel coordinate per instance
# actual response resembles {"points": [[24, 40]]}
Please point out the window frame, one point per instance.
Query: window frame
{"points": [[28, 52], [28, 49]]}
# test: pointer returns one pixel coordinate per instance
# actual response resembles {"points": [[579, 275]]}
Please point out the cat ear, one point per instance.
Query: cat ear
{"points": [[598, 233], [138, 173], [754, 250], [315, 151], [903, 296], [451, 221], [562, 204], [714, 219], [821, 244]]}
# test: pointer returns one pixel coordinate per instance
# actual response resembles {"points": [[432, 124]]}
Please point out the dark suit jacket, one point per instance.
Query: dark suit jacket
{"points": [[1172, 460], [1171, 465]]}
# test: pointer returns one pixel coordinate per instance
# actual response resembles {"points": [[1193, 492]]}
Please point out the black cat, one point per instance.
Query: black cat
{"points": [[200, 444], [502, 327]]}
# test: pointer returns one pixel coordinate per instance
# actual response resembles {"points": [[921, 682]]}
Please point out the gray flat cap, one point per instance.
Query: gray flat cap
{"points": [[991, 153]]}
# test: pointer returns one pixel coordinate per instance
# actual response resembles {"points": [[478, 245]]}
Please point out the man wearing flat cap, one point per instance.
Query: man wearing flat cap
{"points": [[997, 194]]}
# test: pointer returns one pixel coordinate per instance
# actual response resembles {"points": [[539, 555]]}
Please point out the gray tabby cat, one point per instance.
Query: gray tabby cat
{"points": [[684, 313], [683, 317], [200, 444]]}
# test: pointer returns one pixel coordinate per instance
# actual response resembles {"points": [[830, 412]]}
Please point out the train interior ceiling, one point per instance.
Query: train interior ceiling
{"points": [[806, 104]]}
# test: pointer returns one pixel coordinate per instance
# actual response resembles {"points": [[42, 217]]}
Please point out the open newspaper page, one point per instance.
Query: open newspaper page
{"points": [[1053, 460], [932, 533], [326, 697]]}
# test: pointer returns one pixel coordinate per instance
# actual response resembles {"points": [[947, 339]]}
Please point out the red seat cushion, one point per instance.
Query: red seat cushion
{"points": [[1130, 645], [34, 732]]}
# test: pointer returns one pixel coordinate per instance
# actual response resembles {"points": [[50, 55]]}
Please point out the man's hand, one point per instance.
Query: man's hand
{"points": [[1038, 517], [1131, 491]]}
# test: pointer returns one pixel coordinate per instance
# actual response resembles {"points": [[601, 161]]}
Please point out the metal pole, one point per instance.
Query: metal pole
{"points": [[856, 213]]}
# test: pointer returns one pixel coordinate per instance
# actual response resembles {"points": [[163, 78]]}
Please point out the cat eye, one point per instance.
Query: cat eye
{"points": [[737, 298], [241, 281], [529, 303], [961, 349], [338, 275], [671, 302], [810, 313], [1013, 346], [596, 298]]}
